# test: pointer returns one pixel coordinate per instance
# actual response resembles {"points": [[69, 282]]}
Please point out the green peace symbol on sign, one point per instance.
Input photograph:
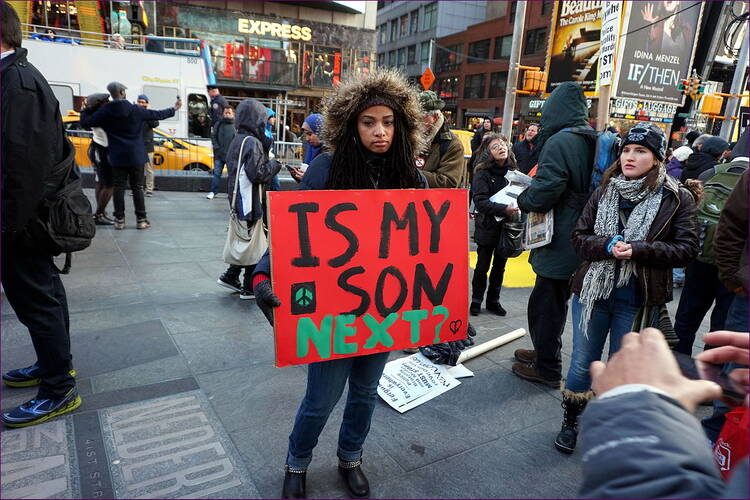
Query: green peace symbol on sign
{"points": [[303, 297]]}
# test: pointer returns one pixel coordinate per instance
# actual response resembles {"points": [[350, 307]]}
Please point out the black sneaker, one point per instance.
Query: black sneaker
{"points": [[102, 220], [246, 294], [496, 308], [232, 284], [36, 411], [26, 377]]}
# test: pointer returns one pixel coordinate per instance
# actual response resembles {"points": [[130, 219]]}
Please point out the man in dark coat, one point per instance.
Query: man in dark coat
{"points": [[148, 141], [524, 150], [218, 103], [222, 139], [33, 143], [561, 184], [706, 157], [123, 122]]}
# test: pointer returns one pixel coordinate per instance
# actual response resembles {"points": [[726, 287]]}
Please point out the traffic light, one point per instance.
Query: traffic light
{"points": [[684, 86], [534, 81], [711, 104]]}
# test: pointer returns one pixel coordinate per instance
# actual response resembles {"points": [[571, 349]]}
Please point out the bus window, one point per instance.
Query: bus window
{"points": [[161, 98], [64, 95], [199, 123]]}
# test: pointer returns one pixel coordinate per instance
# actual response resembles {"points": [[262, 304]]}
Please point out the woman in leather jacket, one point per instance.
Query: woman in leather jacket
{"points": [[637, 226], [494, 159]]}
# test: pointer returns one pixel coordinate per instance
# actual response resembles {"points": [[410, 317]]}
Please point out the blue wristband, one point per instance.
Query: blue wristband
{"points": [[613, 242]]}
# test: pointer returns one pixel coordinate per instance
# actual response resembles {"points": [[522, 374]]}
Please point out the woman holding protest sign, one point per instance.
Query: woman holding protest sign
{"points": [[372, 132], [637, 226], [494, 159]]}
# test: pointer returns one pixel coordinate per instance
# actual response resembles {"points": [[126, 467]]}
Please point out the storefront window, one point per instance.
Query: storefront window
{"points": [[253, 59], [322, 66]]}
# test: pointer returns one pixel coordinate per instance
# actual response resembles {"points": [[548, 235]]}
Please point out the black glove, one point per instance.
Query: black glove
{"points": [[266, 299], [447, 353]]}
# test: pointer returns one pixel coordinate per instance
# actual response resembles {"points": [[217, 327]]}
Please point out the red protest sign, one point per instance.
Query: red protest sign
{"points": [[366, 271]]}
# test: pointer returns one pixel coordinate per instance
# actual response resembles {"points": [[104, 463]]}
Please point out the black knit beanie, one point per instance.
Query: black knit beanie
{"points": [[377, 100], [649, 136]]}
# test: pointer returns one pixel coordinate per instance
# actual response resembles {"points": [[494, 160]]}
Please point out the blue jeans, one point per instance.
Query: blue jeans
{"points": [[216, 179], [325, 384], [275, 184], [613, 316]]}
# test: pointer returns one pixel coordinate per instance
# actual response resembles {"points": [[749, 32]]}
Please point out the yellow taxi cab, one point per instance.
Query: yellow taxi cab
{"points": [[465, 137], [170, 153]]}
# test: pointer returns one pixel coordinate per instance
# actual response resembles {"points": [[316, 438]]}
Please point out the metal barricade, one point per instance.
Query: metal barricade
{"points": [[288, 153]]}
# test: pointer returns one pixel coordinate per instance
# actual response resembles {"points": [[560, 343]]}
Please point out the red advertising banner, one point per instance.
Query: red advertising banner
{"points": [[366, 271]]}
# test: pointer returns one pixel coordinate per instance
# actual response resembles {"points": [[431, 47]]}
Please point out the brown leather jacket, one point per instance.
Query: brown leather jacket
{"points": [[672, 242]]}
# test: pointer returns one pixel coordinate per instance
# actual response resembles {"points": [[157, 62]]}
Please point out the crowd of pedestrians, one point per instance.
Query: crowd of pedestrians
{"points": [[612, 250]]}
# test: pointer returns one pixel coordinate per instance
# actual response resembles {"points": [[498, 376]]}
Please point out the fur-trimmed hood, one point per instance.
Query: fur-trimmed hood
{"points": [[339, 108]]}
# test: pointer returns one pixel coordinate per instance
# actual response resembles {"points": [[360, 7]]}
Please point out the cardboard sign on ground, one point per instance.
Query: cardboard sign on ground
{"points": [[366, 271]]}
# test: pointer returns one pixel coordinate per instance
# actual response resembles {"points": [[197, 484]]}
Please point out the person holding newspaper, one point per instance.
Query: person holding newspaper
{"points": [[494, 159], [635, 227]]}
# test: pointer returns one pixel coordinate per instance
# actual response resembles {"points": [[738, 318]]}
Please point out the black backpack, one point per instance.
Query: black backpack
{"points": [[65, 220]]}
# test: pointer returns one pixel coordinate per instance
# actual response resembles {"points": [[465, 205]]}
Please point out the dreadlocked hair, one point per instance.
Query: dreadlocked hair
{"points": [[350, 169]]}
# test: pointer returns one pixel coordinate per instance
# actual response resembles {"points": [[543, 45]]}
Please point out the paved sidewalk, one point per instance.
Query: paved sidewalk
{"points": [[181, 398]]}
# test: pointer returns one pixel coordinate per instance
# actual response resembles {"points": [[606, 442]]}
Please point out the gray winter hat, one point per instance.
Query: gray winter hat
{"points": [[115, 89]]}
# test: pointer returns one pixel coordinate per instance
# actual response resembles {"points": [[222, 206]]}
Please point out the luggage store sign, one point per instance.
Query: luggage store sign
{"points": [[657, 50], [366, 271]]}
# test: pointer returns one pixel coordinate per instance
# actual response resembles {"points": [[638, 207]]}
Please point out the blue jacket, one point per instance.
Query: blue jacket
{"points": [[123, 122], [644, 445]]}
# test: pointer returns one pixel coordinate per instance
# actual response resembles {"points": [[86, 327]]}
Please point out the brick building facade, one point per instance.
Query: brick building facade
{"points": [[472, 66]]}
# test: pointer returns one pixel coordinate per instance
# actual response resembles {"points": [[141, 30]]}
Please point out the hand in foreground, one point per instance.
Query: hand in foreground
{"points": [[645, 358], [733, 348], [266, 299], [178, 104]]}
